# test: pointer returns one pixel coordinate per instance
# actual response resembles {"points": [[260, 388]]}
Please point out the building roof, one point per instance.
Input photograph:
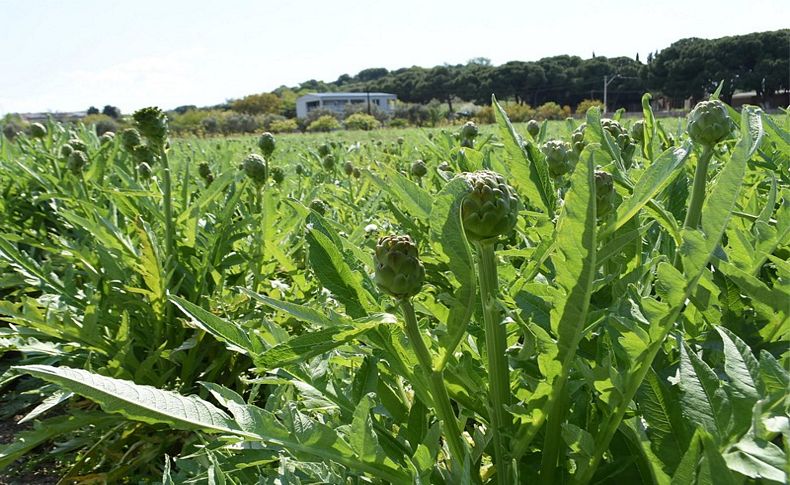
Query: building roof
{"points": [[350, 95]]}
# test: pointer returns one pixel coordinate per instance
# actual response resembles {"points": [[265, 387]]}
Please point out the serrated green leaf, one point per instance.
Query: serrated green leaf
{"points": [[532, 175]]}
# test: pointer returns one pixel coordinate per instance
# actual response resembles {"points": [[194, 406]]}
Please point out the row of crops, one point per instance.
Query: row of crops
{"points": [[577, 302]]}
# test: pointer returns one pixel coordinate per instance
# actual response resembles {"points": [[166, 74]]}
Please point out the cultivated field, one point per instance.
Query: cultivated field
{"points": [[568, 302]]}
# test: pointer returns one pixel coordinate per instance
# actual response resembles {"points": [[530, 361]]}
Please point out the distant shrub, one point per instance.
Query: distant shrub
{"points": [[270, 118], [101, 123], [283, 126], [11, 129], [550, 111], [240, 123], [324, 123], [485, 116], [375, 111], [416, 114], [519, 113], [398, 123], [314, 115], [362, 121], [586, 104]]}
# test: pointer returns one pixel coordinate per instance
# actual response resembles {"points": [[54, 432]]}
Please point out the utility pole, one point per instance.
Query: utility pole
{"points": [[606, 82]]}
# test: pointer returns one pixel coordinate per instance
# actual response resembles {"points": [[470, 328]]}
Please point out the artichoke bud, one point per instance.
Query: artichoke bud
{"points": [[578, 134], [266, 144], [152, 124], [401, 140], [278, 175], [144, 170], [399, 270], [256, 169], [469, 131], [490, 208], [356, 173], [638, 131], [319, 206], [37, 130], [77, 161], [204, 170], [328, 162], [709, 123], [130, 138], [66, 150], [604, 192], [533, 128], [348, 168], [145, 154], [418, 169], [299, 169], [558, 157], [324, 149], [78, 145], [107, 137]]}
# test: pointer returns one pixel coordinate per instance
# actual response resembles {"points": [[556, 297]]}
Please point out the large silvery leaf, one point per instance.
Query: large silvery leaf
{"points": [[575, 257], [136, 402], [704, 402], [334, 272], [412, 197], [654, 179], [532, 173], [447, 235], [237, 338]]}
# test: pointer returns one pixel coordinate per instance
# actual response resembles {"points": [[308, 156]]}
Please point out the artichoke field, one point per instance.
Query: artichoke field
{"points": [[595, 301]]}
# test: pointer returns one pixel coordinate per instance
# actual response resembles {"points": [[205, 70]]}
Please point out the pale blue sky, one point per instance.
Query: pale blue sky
{"points": [[68, 55]]}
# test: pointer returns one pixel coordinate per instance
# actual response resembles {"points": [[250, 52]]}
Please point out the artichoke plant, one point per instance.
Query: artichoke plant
{"points": [[418, 169], [490, 208], [399, 271], [604, 193], [256, 169], [266, 143], [533, 128], [152, 124], [709, 123], [559, 156]]}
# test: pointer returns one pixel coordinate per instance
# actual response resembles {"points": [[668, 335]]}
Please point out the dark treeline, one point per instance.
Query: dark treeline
{"points": [[689, 68]]}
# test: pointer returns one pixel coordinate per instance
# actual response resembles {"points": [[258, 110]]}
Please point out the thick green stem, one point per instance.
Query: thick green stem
{"points": [[441, 399], [496, 346], [170, 236], [694, 213]]}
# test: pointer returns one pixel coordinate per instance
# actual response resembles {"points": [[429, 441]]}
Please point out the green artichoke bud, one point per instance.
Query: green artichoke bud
{"points": [[145, 154], [266, 144], [299, 169], [356, 173], [401, 140], [578, 134], [77, 161], [144, 170], [319, 206], [533, 128], [78, 145], [638, 131], [37, 130], [278, 175], [604, 193], [709, 123], [256, 168], [558, 156], [130, 138], [324, 149], [399, 270], [418, 169], [107, 137], [469, 131], [66, 150], [348, 168], [490, 208], [328, 162], [204, 170], [152, 124]]}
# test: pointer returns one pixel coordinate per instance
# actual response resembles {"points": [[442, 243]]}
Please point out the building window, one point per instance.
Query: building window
{"points": [[311, 105]]}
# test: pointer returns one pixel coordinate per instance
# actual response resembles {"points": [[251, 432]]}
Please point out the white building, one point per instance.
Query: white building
{"points": [[337, 102]]}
